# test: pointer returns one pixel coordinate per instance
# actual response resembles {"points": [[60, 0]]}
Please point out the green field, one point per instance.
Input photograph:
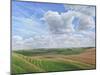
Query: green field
{"points": [[49, 60]]}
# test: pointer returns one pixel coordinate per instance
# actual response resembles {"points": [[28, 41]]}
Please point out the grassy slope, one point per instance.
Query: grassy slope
{"points": [[21, 65], [48, 63]]}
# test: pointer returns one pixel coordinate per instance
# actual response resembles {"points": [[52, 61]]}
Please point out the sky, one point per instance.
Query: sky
{"points": [[50, 25]]}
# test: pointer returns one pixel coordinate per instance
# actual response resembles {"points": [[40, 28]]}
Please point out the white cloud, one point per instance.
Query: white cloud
{"points": [[62, 23], [85, 15], [68, 18], [80, 39], [17, 42], [87, 10], [17, 38], [62, 33], [55, 22], [86, 23]]}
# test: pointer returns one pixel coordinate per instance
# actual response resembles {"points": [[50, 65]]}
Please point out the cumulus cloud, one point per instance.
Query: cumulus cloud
{"points": [[43, 41], [55, 22], [86, 23], [59, 23], [81, 39], [61, 33], [85, 15], [62, 23]]}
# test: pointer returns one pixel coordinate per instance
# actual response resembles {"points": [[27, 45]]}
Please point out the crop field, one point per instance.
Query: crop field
{"points": [[52, 60]]}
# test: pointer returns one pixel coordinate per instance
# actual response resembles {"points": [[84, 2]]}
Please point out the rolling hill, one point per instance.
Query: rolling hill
{"points": [[53, 61]]}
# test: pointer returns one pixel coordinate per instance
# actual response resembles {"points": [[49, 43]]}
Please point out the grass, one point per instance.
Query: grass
{"points": [[54, 60], [68, 51], [50, 65], [21, 65]]}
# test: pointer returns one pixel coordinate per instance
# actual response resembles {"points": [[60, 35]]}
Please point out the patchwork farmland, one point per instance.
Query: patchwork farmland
{"points": [[53, 60]]}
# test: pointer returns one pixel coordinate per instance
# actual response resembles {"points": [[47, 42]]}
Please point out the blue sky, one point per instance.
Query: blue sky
{"points": [[48, 25], [32, 11]]}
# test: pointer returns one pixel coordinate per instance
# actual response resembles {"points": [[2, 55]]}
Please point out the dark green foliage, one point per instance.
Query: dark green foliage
{"points": [[64, 51]]}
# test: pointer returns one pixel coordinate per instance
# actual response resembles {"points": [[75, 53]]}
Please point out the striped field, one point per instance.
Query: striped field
{"points": [[53, 62]]}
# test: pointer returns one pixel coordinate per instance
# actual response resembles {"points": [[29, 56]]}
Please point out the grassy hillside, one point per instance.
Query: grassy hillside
{"points": [[52, 60], [68, 51]]}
